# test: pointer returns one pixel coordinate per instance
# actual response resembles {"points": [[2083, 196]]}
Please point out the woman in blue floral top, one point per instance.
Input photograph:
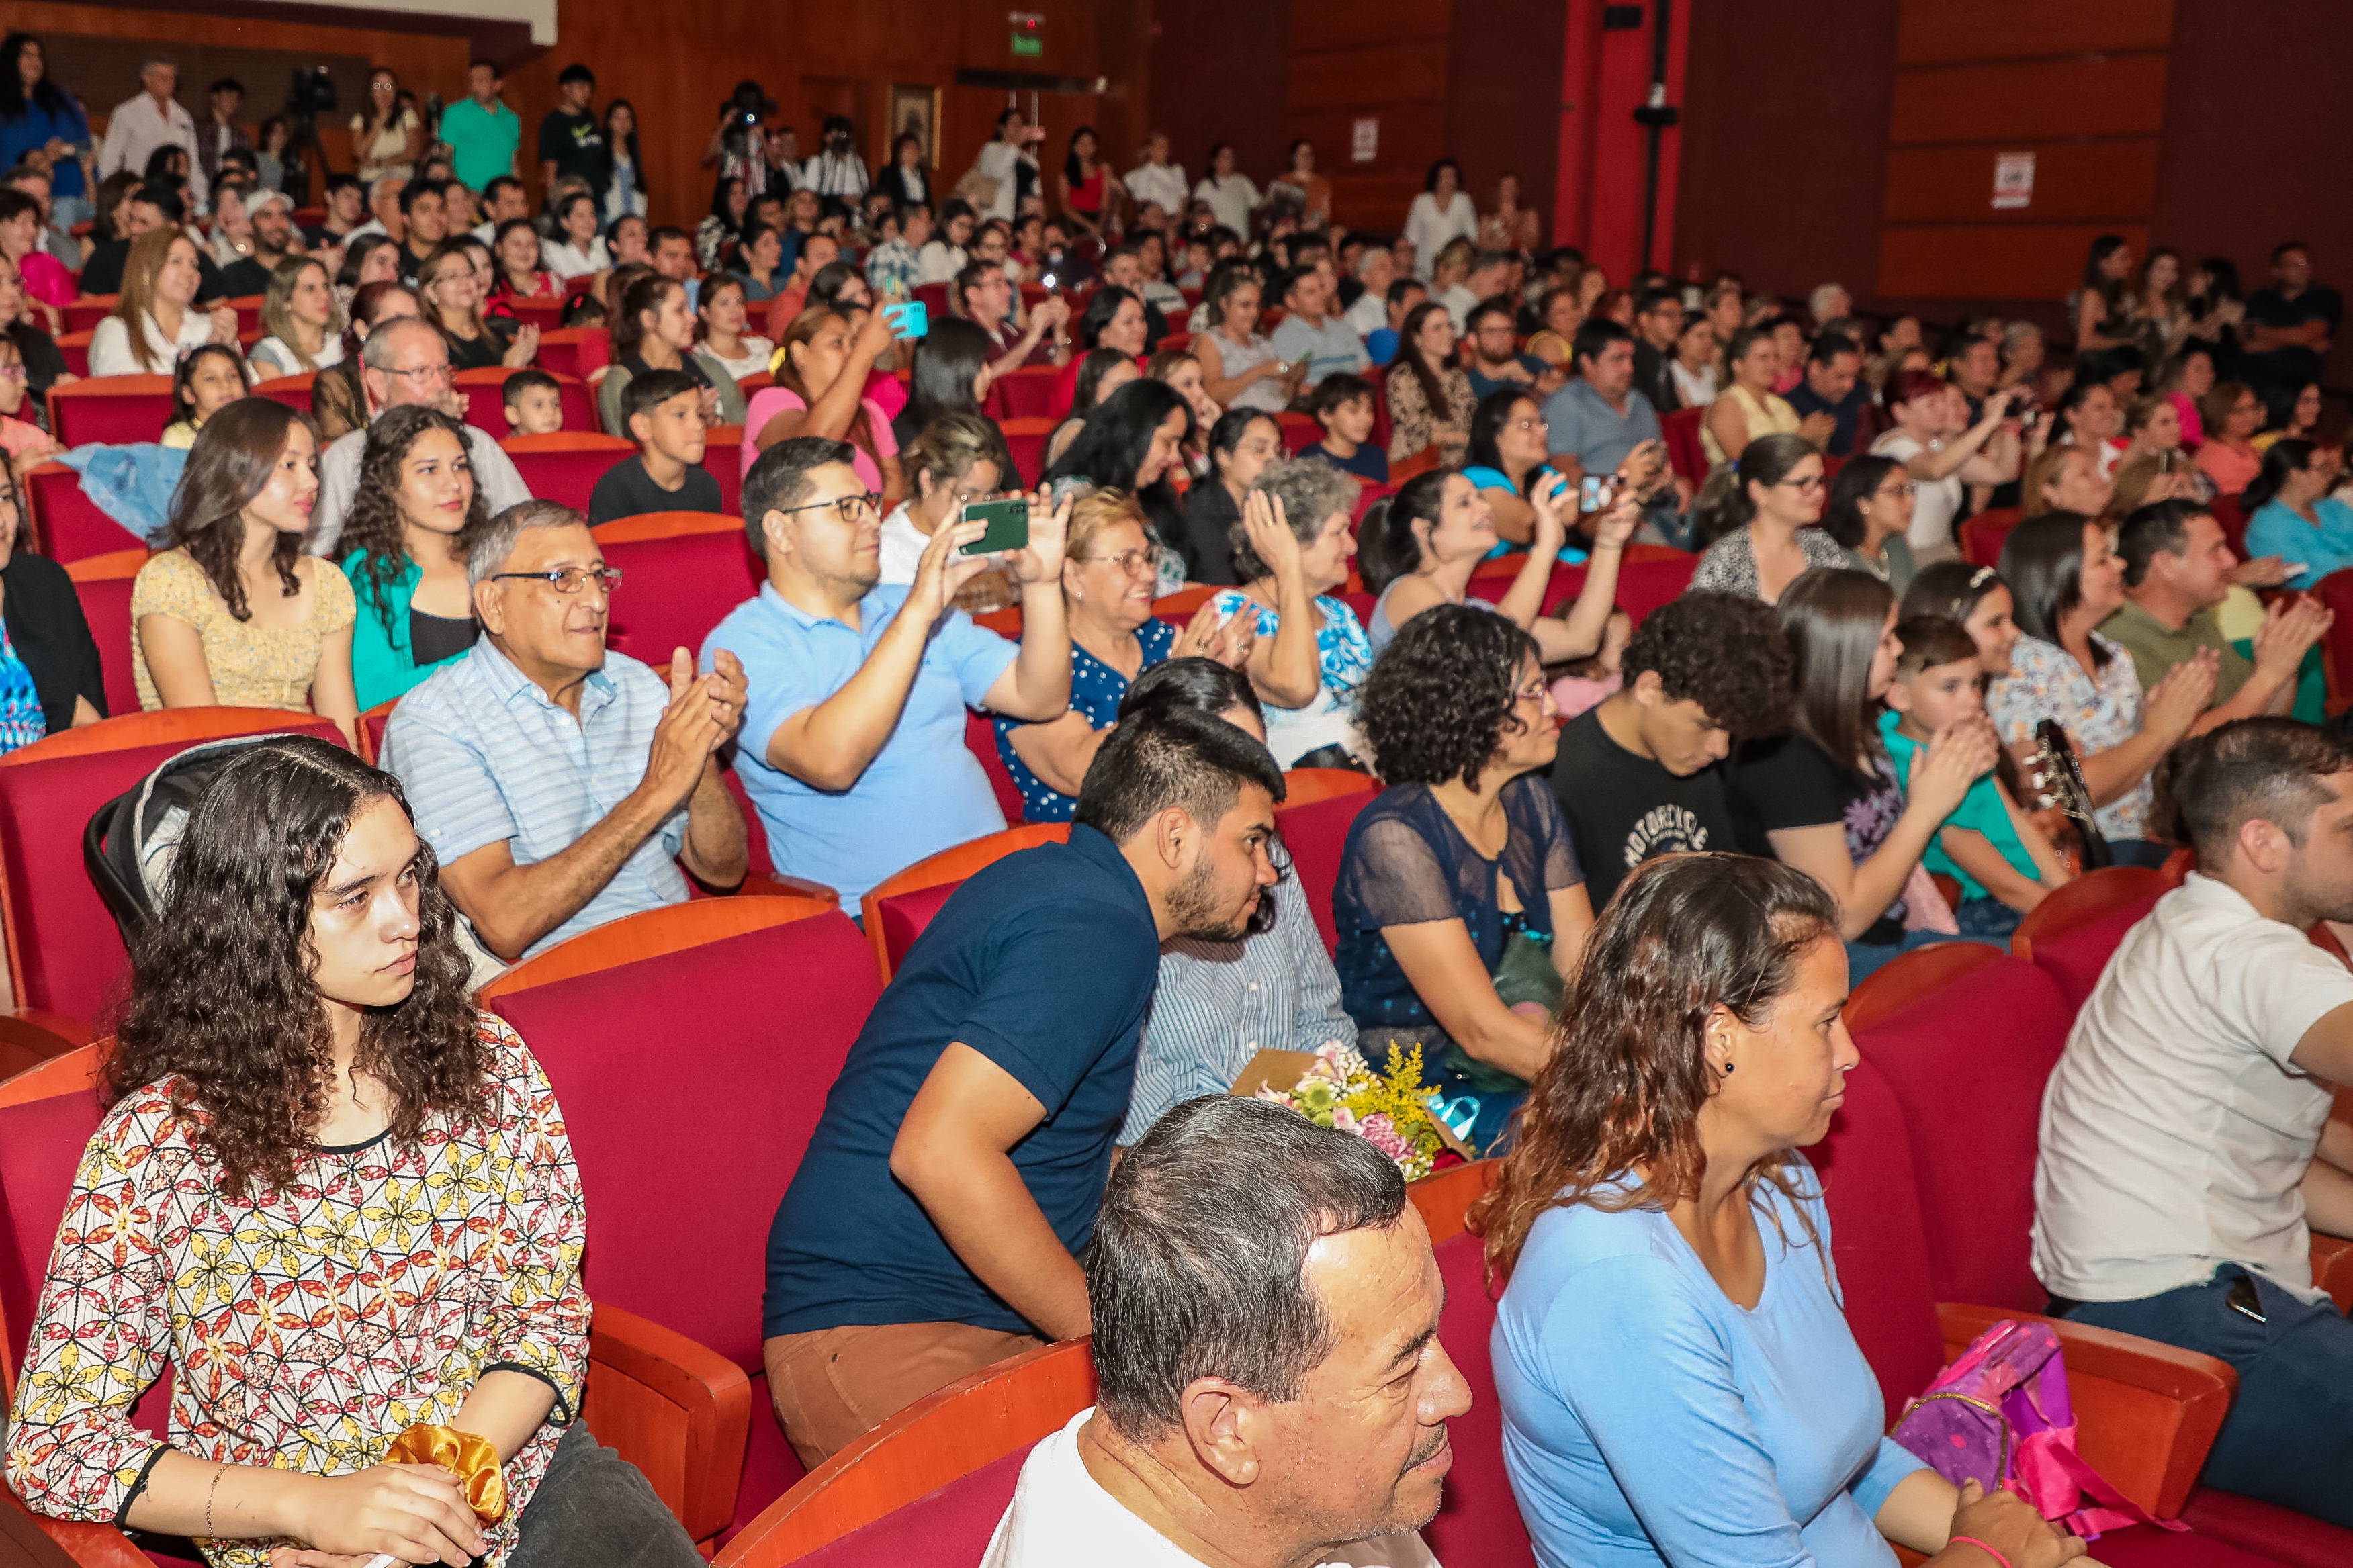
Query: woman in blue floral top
{"points": [[1108, 583], [2066, 578], [1291, 550]]}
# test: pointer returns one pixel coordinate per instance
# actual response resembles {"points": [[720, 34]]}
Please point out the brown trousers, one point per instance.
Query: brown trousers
{"points": [[831, 1386]]}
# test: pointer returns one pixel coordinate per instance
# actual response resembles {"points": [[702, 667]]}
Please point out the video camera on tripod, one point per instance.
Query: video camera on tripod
{"points": [[310, 92]]}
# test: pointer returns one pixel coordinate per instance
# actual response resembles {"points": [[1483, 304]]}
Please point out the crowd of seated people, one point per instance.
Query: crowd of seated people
{"points": [[1805, 765]]}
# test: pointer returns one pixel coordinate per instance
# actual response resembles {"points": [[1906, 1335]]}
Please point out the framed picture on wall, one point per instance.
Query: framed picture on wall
{"points": [[914, 110]]}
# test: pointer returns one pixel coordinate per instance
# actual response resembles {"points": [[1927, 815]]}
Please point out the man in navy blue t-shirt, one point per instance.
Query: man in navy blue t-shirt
{"points": [[933, 1225], [2288, 327]]}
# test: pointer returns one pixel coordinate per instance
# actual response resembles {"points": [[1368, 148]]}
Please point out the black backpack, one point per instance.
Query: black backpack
{"points": [[132, 840]]}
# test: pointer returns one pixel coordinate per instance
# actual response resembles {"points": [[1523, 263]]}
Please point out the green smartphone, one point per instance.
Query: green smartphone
{"points": [[1009, 525]]}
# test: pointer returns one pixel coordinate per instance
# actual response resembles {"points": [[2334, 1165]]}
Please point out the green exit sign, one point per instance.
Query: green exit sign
{"points": [[1028, 32], [1028, 44]]}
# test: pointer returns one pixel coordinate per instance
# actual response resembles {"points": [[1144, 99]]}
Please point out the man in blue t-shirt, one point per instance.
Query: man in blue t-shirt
{"points": [[933, 1226], [2288, 325]]}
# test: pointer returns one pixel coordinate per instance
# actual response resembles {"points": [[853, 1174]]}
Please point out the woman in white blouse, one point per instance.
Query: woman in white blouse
{"points": [[1441, 212], [300, 312], [578, 248], [155, 321], [1230, 196]]}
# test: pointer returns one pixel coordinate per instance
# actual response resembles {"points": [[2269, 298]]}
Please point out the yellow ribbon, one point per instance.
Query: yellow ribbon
{"points": [[471, 1459]]}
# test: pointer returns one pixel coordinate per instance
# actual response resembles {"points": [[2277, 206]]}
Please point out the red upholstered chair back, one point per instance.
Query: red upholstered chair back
{"points": [[2335, 591], [2233, 520], [294, 391], [1652, 575], [676, 589], [112, 408], [1025, 438], [565, 467], [1478, 1519], [1315, 833], [2075, 958], [723, 460], [69, 525], [691, 1084], [64, 950], [1025, 394], [574, 351], [1876, 1243], [102, 583], [905, 916], [83, 315], [1967, 1064], [980, 740], [1982, 535], [951, 1525], [41, 1144], [1685, 453]]}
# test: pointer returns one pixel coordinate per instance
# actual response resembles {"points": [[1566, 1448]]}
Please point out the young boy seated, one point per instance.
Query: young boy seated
{"points": [[1343, 405], [534, 404], [2004, 863], [663, 409]]}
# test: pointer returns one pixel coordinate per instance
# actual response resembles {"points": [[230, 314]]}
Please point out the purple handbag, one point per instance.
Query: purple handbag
{"points": [[1999, 1417]]}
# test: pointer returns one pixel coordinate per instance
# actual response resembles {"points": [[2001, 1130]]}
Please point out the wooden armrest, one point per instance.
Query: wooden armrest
{"points": [[760, 884], [679, 1412], [2332, 1268], [2146, 1412], [89, 1546]]}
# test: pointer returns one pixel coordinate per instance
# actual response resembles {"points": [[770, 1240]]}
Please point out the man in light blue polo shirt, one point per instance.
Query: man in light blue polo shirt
{"points": [[1600, 424], [1325, 342], [853, 742], [560, 784]]}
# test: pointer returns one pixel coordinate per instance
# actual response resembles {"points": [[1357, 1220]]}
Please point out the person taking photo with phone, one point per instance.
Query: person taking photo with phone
{"points": [[853, 738]]}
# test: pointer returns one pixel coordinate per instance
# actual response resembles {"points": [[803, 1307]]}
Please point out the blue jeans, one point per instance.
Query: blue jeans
{"points": [[2289, 1437], [1986, 920]]}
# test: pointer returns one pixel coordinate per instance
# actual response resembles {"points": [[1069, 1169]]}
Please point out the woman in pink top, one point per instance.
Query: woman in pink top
{"points": [[820, 373], [2232, 414], [44, 276], [2186, 381]]}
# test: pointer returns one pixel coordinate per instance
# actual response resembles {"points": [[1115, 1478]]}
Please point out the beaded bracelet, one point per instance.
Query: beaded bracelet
{"points": [[224, 1470]]}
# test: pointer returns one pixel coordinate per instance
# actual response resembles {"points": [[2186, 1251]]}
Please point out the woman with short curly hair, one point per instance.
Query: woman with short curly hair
{"points": [[415, 512], [351, 1211], [1459, 903]]}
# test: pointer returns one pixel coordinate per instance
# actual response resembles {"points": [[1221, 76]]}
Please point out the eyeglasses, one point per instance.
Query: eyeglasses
{"points": [[847, 506], [1805, 486], [12, 373], [1537, 424], [442, 372], [1532, 692], [568, 579], [1131, 562], [1907, 490]]}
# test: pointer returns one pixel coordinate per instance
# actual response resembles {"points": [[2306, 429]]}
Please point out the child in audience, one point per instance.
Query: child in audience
{"points": [[1974, 598], [204, 384], [2004, 864], [1591, 680], [534, 404], [663, 409], [1343, 406]]}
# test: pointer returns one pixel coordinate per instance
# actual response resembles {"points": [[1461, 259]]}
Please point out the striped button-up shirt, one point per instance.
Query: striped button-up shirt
{"points": [[487, 758], [1221, 1002]]}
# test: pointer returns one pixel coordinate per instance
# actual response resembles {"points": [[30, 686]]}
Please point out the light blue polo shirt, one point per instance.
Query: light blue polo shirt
{"points": [[485, 756], [922, 792]]}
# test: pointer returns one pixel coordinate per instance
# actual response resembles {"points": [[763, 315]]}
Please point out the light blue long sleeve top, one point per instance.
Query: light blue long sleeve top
{"points": [[1648, 1419]]}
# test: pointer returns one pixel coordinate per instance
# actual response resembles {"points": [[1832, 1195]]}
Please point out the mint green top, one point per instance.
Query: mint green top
{"points": [[382, 668], [1981, 811]]}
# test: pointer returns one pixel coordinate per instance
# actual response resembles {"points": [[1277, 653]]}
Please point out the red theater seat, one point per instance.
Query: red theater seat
{"points": [[1685, 454], [1025, 440], [564, 466], [1982, 535], [113, 408], [945, 870], [682, 571], [574, 352], [103, 584], [68, 525], [723, 460], [84, 314], [64, 951], [685, 1150], [1648, 577], [1024, 394], [486, 401], [2071, 933], [294, 391], [649, 934], [1315, 832], [980, 740]]}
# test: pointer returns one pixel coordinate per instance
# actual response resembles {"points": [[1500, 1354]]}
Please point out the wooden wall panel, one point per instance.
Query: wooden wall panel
{"points": [[1351, 23], [1385, 59], [2036, 99], [2089, 182], [1939, 32], [1409, 71], [2021, 261]]}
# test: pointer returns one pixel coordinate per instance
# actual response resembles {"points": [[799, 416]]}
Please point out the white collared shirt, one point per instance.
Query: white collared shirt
{"points": [[138, 127], [1061, 1517]]}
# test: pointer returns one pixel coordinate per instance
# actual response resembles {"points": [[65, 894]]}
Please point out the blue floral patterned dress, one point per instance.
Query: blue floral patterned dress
{"points": [[1345, 657], [1096, 690]]}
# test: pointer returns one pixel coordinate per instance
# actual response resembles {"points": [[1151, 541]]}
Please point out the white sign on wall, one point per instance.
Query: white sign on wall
{"points": [[2013, 179], [1364, 140]]}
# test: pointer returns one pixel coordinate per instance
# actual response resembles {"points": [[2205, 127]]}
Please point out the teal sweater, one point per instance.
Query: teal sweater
{"points": [[382, 668]]}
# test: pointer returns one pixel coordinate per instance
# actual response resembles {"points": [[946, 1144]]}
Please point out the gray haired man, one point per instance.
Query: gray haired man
{"points": [[1258, 1289], [405, 361]]}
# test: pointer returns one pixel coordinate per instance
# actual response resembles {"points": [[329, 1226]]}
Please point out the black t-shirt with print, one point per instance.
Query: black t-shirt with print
{"points": [[627, 490], [1791, 781], [574, 143], [1622, 809]]}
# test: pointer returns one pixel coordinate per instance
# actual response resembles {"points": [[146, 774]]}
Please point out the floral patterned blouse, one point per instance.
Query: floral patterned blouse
{"points": [[1343, 653], [2045, 682], [1411, 423], [307, 1329]]}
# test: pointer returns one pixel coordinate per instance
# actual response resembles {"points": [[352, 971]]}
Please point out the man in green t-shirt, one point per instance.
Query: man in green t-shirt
{"points": [[481, 131], [2178, 568]]}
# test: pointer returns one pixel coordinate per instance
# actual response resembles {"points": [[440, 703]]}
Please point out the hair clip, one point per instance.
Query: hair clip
{"points": [[1977, 578]]}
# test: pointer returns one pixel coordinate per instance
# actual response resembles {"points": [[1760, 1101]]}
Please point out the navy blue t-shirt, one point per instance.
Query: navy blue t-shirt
{"points": [[1043, 963], [2289, 366]]}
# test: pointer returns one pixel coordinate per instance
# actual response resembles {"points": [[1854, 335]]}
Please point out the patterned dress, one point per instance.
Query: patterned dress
{"points": [[1096, 690], [306, 1329], [22, 721], [1343, 653], [2045, 682], [251, 666]]}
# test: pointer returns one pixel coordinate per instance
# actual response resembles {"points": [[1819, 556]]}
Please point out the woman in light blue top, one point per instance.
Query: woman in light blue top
{"points": [[1506, 462], [2291, 514], [1677, 1379], [415, 511]]}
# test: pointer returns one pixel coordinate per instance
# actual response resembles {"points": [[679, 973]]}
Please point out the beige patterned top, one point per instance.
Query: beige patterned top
{"points": [[252, 666]]}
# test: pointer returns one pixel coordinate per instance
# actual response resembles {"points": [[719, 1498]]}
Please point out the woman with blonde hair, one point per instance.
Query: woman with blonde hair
{"points": [[156, 321], [1670, 1307], [452, 292], [300, 312]]}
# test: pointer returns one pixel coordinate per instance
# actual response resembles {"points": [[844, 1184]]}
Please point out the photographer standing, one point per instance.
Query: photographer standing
{"points": [[738, 146], [837, 174]]}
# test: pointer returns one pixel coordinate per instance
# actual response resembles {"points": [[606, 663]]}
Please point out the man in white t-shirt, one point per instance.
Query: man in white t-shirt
{"points": [[2187, 1150], [1003, 160], [1258, 1287]]}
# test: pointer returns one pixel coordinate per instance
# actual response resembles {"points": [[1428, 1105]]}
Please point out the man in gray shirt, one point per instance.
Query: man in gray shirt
{"points": [[1326, 343], [1598, 421]]}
